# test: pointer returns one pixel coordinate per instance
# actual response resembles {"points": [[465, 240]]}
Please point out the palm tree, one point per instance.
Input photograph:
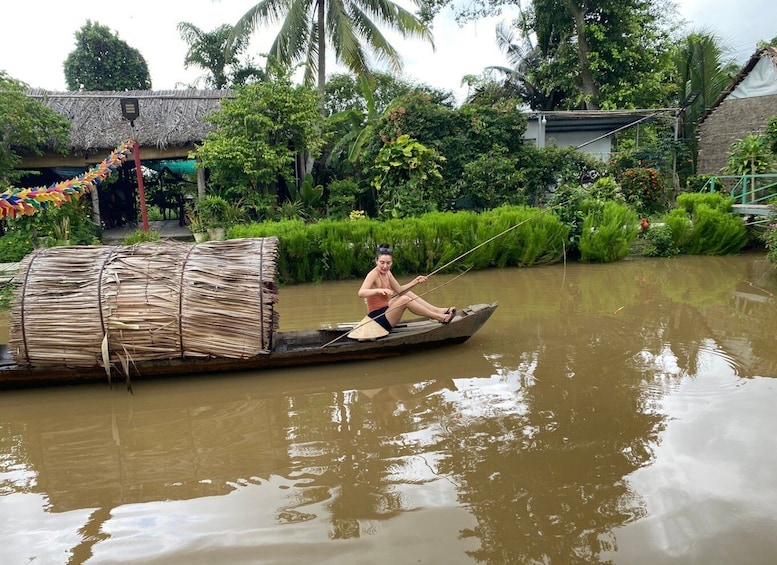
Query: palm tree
{"points": [[522, 79], [208, 50], [702, 74], [350, 26]]}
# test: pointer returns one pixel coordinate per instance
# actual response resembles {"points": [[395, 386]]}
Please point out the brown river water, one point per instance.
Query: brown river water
{"points": [[622, 413]]}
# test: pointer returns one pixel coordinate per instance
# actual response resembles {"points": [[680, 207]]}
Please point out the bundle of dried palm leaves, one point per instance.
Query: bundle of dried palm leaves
{"points": [[87, 306]]}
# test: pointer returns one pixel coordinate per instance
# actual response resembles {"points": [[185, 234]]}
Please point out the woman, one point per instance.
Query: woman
{"points": [[387, 300]]}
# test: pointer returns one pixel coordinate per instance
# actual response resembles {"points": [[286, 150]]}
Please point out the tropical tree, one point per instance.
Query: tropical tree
{"points": [[252, 152], [352, 106], [702, 73], [208, 51], [26, 126], [352, 127], [523, 79], [407, 179], [771, 43], [600, 53], [460, 135], [751, 155], [102, 61], [345, 92], [351, 26]]}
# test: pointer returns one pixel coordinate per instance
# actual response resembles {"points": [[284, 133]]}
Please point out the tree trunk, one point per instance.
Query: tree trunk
{"points": [[588, 88], [321, 29], [320, 24]]}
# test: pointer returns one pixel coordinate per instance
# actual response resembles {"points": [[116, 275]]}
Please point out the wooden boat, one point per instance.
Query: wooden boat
{"points": [[290, 348]]}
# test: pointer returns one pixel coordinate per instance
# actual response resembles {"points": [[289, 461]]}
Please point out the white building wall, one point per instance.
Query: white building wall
{"points": [[599, 149]]}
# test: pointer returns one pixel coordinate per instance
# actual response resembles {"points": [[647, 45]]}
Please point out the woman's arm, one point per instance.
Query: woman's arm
{"points": [[370, 288], [418, 280]]}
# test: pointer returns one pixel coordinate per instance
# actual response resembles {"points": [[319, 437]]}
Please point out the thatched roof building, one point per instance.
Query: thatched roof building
{"points": [[169, 125], [742, 108]]}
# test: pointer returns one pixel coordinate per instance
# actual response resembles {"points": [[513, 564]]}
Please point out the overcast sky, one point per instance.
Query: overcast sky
{"points": [[38, 35]]}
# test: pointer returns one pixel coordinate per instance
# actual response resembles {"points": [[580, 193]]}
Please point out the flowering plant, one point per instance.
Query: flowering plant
{"points": [[643, 189]]}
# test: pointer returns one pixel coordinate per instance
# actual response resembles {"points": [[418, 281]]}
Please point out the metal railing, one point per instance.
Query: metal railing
{"points": [[744, 189]]}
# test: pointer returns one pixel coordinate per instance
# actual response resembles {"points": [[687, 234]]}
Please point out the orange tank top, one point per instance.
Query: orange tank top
{"points": [[376, 301]]}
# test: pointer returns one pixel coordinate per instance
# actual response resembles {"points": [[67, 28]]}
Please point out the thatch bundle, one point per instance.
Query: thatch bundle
{"points": [[87, 306]]}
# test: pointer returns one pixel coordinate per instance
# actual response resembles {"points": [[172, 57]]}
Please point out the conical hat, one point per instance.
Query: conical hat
{"points": [[367, 329]]}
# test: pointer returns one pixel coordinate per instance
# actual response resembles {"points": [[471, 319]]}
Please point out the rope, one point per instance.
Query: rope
{"points": [[180, 300], [261, 294], [21, 306]]}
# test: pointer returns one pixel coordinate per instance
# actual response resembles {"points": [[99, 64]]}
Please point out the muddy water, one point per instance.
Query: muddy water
{"points": [[606, 414]]}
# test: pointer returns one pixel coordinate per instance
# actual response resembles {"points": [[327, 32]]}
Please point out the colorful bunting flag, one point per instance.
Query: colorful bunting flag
{"points": [[27, 201]]}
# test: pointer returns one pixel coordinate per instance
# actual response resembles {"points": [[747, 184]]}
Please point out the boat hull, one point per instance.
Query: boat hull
{"points": [[311, 347]]}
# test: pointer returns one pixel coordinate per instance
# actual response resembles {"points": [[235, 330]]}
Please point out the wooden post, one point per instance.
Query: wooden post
{"points": [[141, 189], [200, 183], [96, 207]]}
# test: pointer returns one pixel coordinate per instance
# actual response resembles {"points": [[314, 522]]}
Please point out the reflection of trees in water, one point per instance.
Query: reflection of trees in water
{"points": [[730, 304], [745, 324], [352, 448], [547, 481], [101, 457], [548, 484]]}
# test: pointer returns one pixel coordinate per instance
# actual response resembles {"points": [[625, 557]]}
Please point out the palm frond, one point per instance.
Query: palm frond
{"points": [[311, 56], [268, 12], [291, 42], [345, 37]]}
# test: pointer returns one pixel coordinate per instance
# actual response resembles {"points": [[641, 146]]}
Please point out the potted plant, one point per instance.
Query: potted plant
{"points": [[213, 212], [196, 226]]}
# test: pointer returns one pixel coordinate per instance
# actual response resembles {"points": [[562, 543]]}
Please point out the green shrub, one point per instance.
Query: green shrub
{"points": [[334, 250], [213, 211], [609, 229], [607, 188], [141, 236], [14, 245], [689, 201], [716, 233], [702, 224], [770, 240], [680, 227], [660, 242], [341, 200], [491, 180], [538, 239], [406, 176]]}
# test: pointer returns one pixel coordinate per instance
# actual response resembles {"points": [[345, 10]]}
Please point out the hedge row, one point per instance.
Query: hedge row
{"points": [[334, 250]]}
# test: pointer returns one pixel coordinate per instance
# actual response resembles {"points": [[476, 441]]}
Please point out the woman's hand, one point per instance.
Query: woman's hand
{"points": [[419, 279]]}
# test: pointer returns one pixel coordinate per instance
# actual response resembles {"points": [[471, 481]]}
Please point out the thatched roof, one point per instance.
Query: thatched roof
{"points": [[735, 117], [168, 118], [765, 52]]}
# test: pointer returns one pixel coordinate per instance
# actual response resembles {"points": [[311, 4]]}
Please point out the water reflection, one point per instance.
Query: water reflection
{"points": [[545, 439]]}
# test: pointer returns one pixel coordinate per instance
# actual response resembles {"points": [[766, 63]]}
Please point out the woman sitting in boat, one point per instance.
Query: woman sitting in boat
{"points": [[387, 300]]}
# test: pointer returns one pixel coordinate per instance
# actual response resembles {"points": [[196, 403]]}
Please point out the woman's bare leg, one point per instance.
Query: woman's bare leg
{"points": [[424, 304], [398, 305]]}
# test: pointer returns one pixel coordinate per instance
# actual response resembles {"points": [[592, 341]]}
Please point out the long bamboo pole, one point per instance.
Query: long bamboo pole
{"points": [[504, 232]]}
